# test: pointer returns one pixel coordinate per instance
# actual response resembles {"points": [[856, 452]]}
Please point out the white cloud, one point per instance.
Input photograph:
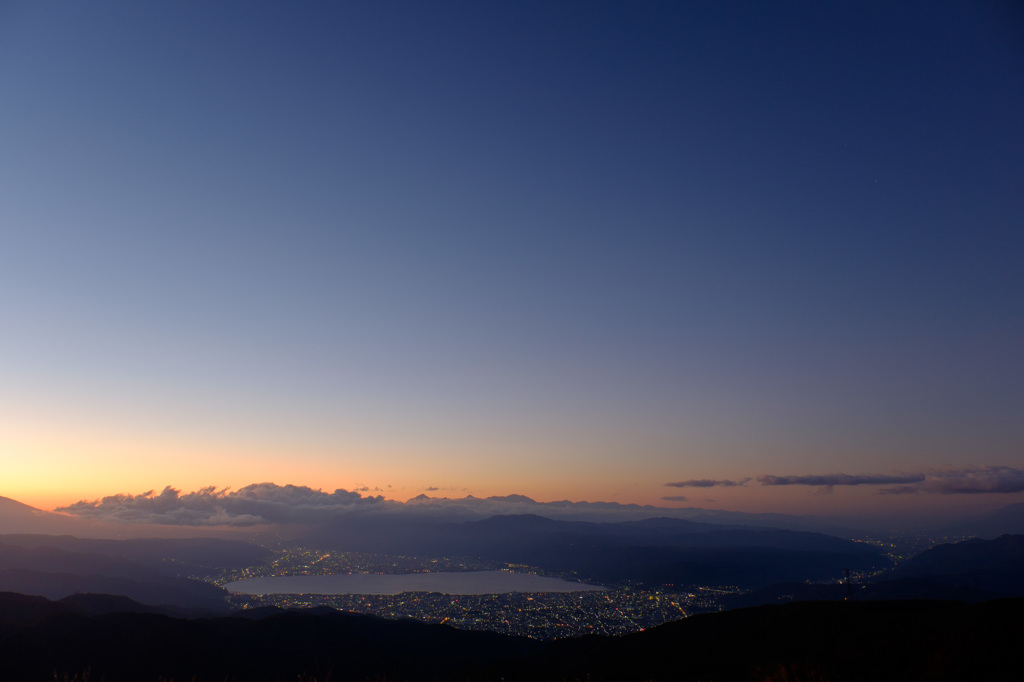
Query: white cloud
{"points": [[254, 504]]}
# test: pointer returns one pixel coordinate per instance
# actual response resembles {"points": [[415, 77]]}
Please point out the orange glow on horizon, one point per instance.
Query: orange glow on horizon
{"points": [[48, 464]]}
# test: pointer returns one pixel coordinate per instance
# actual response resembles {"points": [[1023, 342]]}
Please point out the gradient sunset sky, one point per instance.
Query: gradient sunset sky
{"points": [[563, 249]]}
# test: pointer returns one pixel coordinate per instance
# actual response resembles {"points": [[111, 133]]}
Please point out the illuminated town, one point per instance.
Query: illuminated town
{"points": [[542, 615], [620, 609]]}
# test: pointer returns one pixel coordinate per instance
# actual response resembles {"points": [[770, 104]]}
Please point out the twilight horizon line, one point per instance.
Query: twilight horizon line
{"points": [[273, 503]]}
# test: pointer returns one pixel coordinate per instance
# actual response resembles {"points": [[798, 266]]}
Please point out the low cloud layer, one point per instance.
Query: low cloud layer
{"points": [[970, 481], [962, 481], [255, 504], [706, 483], [268, 503], [830, 480]]}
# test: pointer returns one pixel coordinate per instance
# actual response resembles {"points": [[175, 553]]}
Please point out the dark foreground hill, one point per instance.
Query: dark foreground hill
{"points": [[810, 641], [42, 640], [922, 640]]}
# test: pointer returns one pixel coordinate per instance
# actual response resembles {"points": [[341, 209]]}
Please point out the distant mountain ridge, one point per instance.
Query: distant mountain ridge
{"points": [[1003, 553], [984, 566], [175, 555], [970, 571], [17, 517], [42, 565], [166, 592], [475, 508], [1008, 520], [652, 551]]}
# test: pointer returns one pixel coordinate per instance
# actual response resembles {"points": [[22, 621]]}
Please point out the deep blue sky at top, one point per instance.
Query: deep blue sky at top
{"points": [[707, 222]]}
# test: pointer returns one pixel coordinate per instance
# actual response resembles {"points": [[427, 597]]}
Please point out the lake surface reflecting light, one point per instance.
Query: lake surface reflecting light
{"points": [[468, 582]]}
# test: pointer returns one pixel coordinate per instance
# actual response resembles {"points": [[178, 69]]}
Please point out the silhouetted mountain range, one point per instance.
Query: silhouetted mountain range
{"points": [[165, 555], [160, 591], [39, 565], [970, 571], [16, 517], [1005, 553], [992, 566], [652, 552], [1008, 520]]}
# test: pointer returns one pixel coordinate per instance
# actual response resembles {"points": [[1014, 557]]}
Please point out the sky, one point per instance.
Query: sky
{"points": [[570, 250]]}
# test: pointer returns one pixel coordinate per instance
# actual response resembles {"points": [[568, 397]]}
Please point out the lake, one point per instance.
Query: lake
{"points": [[468, 582]]}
